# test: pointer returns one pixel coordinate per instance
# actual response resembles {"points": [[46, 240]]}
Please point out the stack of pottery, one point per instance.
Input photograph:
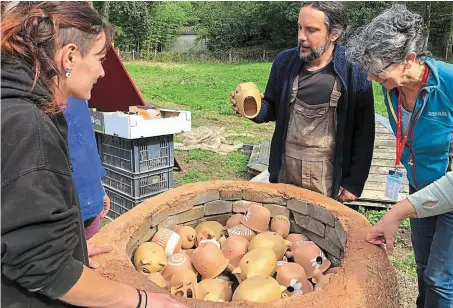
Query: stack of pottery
{"points": [[252, 258]]}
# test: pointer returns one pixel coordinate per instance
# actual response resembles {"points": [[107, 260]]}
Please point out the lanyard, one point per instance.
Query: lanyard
{"points": [[401, 141]]}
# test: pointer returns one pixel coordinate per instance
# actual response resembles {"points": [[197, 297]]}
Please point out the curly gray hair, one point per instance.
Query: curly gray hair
{"points": [[388, 38]]}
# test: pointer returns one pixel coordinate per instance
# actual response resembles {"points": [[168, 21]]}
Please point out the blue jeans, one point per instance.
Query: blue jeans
{"points": [[432, 239]]}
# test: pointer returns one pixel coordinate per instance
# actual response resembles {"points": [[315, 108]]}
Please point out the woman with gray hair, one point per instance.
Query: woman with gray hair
{"points": [[419, 99]]}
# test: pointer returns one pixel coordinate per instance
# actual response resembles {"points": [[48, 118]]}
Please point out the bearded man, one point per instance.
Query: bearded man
{"points": [[323, 109]]}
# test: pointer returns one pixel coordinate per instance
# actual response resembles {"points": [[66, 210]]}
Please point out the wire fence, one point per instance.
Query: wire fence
{"points": [[229, 56]]}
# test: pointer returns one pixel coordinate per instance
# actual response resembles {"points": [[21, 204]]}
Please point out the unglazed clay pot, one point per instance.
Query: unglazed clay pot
{"points": [[234, 220], [259, 261], [257, 218], [292, 276], [209, 241], [294, 237], [150, 258], [332, 270], [209, 260], [311, 257], [187, 234], [207, 230], [259, 289], [293, 247], [242, 231], [234, 248], [214, 290], [280, 225], [175, 263], [183, 283], [320, 280], [158, 279], [171, 241], [189, 252], [248, 99], [272, 241]]}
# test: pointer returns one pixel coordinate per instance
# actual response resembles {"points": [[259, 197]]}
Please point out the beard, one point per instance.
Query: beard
{"points": [[314, 54]]}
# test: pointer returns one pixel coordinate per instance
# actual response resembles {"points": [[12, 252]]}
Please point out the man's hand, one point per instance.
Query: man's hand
{"points": [[233, 103], [94, 251], [106, 206], [158, 300], [346, 196]]}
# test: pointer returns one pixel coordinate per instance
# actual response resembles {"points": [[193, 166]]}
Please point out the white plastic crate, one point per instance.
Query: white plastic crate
{"points": [[132, 126]]}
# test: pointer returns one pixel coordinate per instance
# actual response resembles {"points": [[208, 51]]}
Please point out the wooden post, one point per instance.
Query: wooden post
{"points": [[133, 54], [230, 57]]}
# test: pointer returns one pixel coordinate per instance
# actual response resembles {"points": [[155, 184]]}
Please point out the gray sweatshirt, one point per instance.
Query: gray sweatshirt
{"points": [[440, 193]]}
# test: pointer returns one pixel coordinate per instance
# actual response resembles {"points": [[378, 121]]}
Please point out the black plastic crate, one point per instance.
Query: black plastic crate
{"points": [[139, 185], [136, 155], [119, 203]]}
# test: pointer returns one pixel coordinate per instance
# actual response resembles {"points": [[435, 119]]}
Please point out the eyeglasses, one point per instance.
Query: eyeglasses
{"points": [[384, 69]]}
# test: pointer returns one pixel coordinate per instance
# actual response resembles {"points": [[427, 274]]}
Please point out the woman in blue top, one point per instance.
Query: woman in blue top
{"points": [[419, 98]]}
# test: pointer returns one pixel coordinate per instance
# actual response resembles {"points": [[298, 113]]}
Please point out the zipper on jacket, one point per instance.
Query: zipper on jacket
{"points": [[411, 148]]}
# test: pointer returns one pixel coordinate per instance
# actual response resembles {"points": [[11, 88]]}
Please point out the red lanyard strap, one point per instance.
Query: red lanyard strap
{"points": [[401, 142]]}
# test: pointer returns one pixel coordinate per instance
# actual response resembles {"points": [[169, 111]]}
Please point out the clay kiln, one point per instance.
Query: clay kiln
{"points": [[365, 279]]}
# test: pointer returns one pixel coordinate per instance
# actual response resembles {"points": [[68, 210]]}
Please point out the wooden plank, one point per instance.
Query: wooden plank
{"points": [[382, 178], [379, 196], [376, 169], [386, 205], [381, 187], [382, 136], [384, 155]]}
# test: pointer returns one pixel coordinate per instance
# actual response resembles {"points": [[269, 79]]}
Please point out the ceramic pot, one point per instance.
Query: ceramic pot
{"points": [[214, 290], [259, 289], [209, 241], [311, 257], [332, 270], [320, 280], [293, 247], [259, 261], [272, 241], [280, 225], [234, 220], [207, 230], [150, 258], [242, 231], [248, 99], [158, 279], [175, 263], [257, 218], [183, 283], [293, 277], [187, 234], [294, 237], [209, 260], [234, 248], [171, 241]]}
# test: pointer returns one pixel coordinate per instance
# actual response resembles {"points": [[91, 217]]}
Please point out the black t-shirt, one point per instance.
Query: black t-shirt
{"points": [[316, 87]]}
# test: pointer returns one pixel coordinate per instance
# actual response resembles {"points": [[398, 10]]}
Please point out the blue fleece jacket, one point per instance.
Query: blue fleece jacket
{"points": [[87, 169], [428, 150]]}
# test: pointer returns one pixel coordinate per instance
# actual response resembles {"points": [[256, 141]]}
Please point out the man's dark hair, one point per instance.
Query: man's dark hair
{"points": [[336, 18]]}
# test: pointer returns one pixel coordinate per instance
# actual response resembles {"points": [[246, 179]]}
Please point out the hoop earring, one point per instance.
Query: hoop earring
{"points": [[68, 73]]}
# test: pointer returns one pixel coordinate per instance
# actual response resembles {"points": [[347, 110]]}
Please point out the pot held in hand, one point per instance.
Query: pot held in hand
{"points": [[248, 99]]}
